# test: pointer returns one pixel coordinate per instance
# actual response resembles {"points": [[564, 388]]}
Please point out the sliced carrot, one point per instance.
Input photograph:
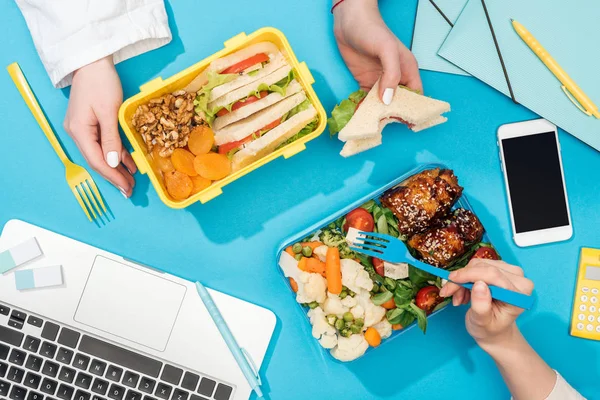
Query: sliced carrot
{"points": [[294, 285], [212, 166], [397, 327], [178, 184], [372, 337], [163, 163], [290, 251], [200, 183], [312, 265], [201, 140], [183, 161], [333, 271], [390, 304]]}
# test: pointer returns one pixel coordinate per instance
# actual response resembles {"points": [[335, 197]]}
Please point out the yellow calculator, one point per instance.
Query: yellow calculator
{"points": [[585, 319]]}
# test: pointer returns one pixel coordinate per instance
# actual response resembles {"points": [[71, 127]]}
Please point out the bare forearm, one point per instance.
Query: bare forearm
{"points": [[527, 376]]}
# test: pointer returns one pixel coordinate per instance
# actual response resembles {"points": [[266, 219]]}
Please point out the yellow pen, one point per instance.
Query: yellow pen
{"points": [[581, 100]]}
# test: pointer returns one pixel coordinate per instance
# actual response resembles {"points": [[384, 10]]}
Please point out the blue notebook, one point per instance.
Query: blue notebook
{"points": [[569, 30], [432, 24]]}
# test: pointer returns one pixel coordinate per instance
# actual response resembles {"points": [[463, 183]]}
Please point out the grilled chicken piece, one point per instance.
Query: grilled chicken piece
{"points": [[468, 225], [439, 246], [422, 199]]}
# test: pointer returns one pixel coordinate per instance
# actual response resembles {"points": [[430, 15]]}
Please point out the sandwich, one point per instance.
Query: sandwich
{"points": [[360, 120], [253, 102]]}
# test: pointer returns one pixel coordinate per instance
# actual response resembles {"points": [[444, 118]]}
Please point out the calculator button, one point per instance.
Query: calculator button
{"points": [[594, 291], [581, 317], [594, 299], [591, 318], [582, 307], [585, 289], [590, 327], [592, 308], [584, 298], [598, 329], [580, 326]]}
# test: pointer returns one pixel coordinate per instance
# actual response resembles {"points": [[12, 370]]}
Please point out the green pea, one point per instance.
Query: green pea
{"points": [[339, 324], [355, 328], [343, 295], [297, 248], [359, 322], [347, 333], [306, 251], [348, 317], [349, 324], [313, 305], [298, 257]]}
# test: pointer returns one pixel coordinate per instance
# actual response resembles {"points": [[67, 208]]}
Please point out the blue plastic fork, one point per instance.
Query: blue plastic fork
{"points": [[391, 249]]}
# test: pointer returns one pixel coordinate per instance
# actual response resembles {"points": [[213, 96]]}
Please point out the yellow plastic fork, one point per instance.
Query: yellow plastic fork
{"points": [[81, 183]]}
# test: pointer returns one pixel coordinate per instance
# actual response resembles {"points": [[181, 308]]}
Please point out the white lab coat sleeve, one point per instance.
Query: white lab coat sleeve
{"points": [[69, 34], [563, 391]]}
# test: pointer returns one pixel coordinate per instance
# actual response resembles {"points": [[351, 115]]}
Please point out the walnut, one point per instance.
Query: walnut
{"points": [[166, 121]]}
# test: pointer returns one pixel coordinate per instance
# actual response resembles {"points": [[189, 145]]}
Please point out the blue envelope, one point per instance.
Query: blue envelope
{"points": [[569, 30], [433, 23]]}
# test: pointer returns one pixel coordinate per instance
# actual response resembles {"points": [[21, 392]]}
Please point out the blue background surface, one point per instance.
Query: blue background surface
{"points": [[230, 242]]}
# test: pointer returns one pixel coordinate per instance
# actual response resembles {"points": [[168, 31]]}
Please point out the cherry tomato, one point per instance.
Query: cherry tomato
{"points": [[242, 103], [486, 253], [360, 219], [227, 147], [378, 264], [247, 63], [428, 298]]}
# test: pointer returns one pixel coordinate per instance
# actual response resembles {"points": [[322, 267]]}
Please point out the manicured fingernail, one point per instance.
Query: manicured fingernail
{"points": [[123, 192], [387, 96], [112, 159], [479, 288]]}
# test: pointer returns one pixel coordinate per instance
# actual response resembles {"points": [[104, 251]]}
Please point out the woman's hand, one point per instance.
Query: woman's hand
{"points": [[91, 121], [489, 322], [371, 50]]}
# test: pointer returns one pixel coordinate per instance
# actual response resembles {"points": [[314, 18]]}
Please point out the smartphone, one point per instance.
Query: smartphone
{"points": [[535, 183]]}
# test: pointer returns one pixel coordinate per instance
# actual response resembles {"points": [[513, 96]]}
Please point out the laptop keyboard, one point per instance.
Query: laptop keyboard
{"points": [[41, 360]]}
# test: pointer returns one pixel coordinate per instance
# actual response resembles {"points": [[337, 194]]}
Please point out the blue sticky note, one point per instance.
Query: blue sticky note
{"points": [[6, 262], [24, 279]]}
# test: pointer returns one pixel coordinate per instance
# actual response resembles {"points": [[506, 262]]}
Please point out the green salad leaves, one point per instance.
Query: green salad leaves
{"points": [[343, 112]]}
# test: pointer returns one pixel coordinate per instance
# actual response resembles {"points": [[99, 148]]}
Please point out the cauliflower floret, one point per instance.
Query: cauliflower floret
{"points": [[351, 348], [358, 311], [321, 252], [349, 301], [354, 276], [384, 328], [395, 271], [314, 289], [321, 330], [333, 305], [373, 313]]}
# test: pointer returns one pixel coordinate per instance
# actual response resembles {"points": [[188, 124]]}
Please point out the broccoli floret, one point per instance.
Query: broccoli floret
{"points": [[333, 238]]}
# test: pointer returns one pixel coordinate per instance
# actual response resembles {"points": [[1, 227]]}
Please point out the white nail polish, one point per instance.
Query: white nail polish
{"points": [[112, 159], [123, 193], [388, 94]]}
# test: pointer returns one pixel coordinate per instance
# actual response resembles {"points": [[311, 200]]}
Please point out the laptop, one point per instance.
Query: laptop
{"points": [[117, 330]]}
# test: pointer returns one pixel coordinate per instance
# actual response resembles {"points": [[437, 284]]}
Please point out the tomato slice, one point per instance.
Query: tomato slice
{"points": [[242, 103], [247, 63], [378, 264], [486, 253], [428, 298], [227, 147], [360, 219]]}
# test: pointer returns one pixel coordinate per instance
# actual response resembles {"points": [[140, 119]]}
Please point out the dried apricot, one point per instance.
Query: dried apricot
{"points": [[183, 161], [200, 183], [179, 185], [212, 166], [164, 163], [201, 140]]}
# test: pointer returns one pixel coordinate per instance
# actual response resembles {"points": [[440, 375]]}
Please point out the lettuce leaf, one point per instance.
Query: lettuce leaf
{"points": [[300, 107], [201, 102], [278, 87], [308, 129], [343, 112]]}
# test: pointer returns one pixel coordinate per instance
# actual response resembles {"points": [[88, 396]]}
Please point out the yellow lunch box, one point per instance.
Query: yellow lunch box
{"points": [[158, 87]]}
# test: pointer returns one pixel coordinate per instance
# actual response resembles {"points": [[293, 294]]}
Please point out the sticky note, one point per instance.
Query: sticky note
{"points": [[39, 277], [20, 254]]}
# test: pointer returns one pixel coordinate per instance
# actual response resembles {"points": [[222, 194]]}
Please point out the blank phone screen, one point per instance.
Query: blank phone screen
{"points": [[535, 182]]}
